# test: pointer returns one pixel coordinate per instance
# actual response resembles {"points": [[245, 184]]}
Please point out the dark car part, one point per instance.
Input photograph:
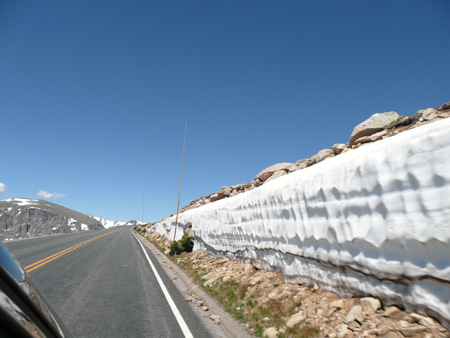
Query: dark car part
{"points": [[22, 313]]}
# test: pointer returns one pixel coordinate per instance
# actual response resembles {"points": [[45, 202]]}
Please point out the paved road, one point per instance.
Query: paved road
{"points": [[104, 286]]}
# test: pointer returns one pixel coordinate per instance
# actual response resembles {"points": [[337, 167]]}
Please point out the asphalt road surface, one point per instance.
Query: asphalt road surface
{"points": [[100, 284]]}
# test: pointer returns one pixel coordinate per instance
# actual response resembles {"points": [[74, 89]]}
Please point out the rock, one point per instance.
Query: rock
{"points": [[256, 182], [189, 300], [323, 154], [375, 123], [370, 305], [429, 114], [210, 281], [245, 185], [295, 319], [338, 148], [444, 114], [223, 260], [391, 334], [248, 267], [310, 161], [422, 320], [214, 317], [226, 191], [413, 331], [301, 164], [292, 168], [266, 173], [344, 332], [371, 138], [355, 313], [445, 106], [391, 312], [239, 187], [199, 303], [258, 266], [271, 332], [205, 308], [217, 196], [276, 174], [337, 304], [266, 319]]}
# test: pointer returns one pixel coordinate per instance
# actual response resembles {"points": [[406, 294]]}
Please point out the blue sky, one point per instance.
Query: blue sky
{"points": [[94, 95]]}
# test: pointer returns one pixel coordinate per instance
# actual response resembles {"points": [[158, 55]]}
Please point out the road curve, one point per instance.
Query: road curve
{"points": [[103, 286]]}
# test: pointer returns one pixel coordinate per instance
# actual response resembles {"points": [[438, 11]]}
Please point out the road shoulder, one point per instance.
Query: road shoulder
{"points": [[228, 327]]}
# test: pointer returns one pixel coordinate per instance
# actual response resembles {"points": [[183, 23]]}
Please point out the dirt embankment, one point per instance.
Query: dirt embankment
{"points": [[272, 308]]}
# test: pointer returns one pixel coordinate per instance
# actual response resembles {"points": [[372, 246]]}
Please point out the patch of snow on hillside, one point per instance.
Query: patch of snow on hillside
{"points": [[22, 201], [109, 224], [84, 227]]}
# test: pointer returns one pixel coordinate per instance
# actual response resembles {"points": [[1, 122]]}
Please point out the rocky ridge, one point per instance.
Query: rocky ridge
{"points": [[22, 218], [379, 126]]}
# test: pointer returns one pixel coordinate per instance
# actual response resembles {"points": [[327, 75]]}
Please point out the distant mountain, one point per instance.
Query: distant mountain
{"points": [[21, 218], [109, 224]]}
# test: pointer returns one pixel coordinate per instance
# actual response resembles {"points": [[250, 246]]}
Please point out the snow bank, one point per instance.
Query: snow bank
{"points": [[372, 221]]}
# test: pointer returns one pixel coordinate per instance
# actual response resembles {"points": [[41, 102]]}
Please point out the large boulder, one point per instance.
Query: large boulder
{"points": [[429, 114], [339, 148], [371, 138], [266, 173], [217, 196], [375, 123], [277, 174], [323, 154]]}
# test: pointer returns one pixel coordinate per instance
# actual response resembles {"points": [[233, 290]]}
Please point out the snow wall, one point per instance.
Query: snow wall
{"points": [[372, 221]]}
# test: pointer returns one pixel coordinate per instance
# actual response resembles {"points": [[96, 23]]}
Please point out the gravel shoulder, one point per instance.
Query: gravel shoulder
{"points": [[228, 326]]}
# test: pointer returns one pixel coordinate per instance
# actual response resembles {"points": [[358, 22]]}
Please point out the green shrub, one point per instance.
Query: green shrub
{"points": [[185, 244]]}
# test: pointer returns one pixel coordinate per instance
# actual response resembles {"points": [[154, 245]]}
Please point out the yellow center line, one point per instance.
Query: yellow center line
{"points": [[48, 259]]}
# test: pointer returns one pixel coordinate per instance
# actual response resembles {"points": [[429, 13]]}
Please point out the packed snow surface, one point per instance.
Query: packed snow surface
{"points": [[371, 221]]}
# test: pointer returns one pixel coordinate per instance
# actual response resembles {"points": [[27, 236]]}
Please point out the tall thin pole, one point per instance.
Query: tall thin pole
{"points": [[181, 180], [143, 199]]}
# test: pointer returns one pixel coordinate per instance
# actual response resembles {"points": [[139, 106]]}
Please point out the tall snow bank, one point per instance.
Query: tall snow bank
{"points": [[372, 221]]}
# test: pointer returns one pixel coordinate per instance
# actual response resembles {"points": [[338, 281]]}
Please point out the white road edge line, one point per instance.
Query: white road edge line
{"points": [[187, 333]]}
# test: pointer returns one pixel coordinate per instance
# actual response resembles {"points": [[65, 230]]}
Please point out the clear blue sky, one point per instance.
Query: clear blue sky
{"points": [[94, 95]]}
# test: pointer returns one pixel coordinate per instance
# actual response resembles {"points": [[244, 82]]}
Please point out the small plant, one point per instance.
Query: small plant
{"points": [[185, 244]]}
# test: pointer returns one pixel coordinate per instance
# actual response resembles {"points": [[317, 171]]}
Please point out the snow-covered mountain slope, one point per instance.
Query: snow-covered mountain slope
{"points": [[22, 217], [110, 224], [372, 221]]}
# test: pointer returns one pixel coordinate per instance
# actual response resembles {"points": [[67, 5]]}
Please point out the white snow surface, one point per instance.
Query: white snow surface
{"points": [[22, 201], [372, 221], [109, 224]]}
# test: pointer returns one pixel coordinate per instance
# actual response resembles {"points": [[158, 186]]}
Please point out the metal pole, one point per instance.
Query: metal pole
{"points": [[181, 180], [143, 199]]}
